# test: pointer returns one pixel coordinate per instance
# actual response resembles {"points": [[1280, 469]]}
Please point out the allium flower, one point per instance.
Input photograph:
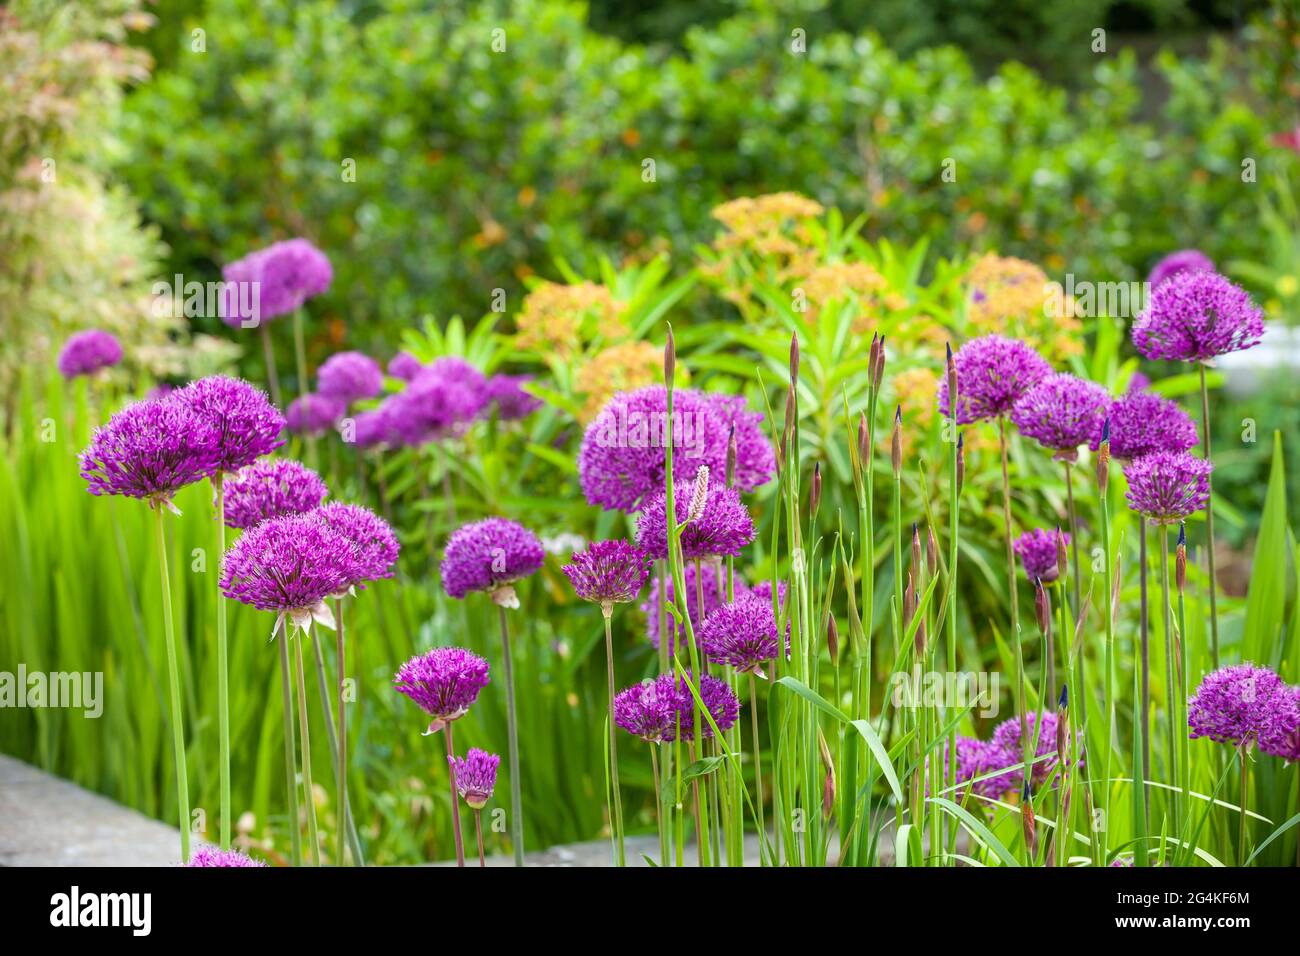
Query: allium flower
{"points": [[475, 775], [150, 450], [1061, 413], [211, 856], [291, 564], [1280, 735], [313, 415], [269, 489], [444, 682], [405, 366], [976, 758], [246, 424], [287, 275], [511, 401], [87, 352], [348, 376], [1142, 424], [1138, 382], [608, 572], [1184, 260], [1195, 317], [992, 374], [1235, 704], [1037, 551], [622, 463], [1168, 486], [490, 555], [372, 428], [713, 583], [719, 701], [1006, 742], [440, 402], [649, 710], [724, 526], [742, 634], [376, 545]]}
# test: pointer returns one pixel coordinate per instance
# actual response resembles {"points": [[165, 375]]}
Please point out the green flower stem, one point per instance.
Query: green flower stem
{"points": [[309, 790], [478, 835], [174, 693], [758, 760], [1074, 535], [341, 771], [954, 528], [323, 688], [455, 798], [1144, 627], [1184, 736], [1209, 523], [1012, 590], [290, 748], [659, 805], [512, 734], [1170, 680], [1108, 681], [1241, 813], [223, 667], [616, 800]]}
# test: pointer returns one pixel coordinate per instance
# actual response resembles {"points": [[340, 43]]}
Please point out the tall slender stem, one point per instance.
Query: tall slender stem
{"points": [[455, 799], [223, 667], [1144, 627], [1241, 826], [478, 835], [1013, 594], [268, 352], [512, 734], [174, 693], [290, 748], [1171, 700], [327, 715], [758, 763], [341, 771], [659, 805], [1108, 681], [1209, 522], [616, 800], [1074, 535], [308, 788]]}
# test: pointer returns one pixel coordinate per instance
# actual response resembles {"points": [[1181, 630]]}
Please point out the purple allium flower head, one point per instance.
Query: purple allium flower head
{"points": [[245, 423], [976, 758], [475, 775], [150, 450], [287, 275], [719, 701], [269, 489], [1197, 316], [622, 463], [1037, 551], [1138, 382], [608, 572], [713, 583], [405, 366], [649, 710], [442, 401], [1006, 741], [993, 372], [1142, 424], [313, 414], [291, 564], [490, 555], [444, 682], [511, 401], [724, 526], [1280, 735], [348, 376], [1184, 260], [1061, 413], [376, 545], [372, 428], [87, 352], [211, 856], [742, 634], [1234, 704], [1168, 485]]}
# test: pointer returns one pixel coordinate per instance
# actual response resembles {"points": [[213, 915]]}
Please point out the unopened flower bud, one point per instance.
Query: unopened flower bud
{"points": [[794, 358], [864, 442], [1103, 458], [731, 456], [1043, 606], [1027, 822], [896, 445], [1062, 555], [670, 359], [916, 549], [878, 370], [952, 382], [931, 551], [1180, 558], [961, 461], [815, 493], [833, 640]]}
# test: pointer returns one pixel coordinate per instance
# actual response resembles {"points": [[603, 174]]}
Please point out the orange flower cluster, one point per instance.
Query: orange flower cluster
{"points": [[559, 318], [1009, 296]]}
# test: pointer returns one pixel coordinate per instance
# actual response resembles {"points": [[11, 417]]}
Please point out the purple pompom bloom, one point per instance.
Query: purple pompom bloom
{"points": [[475, 775], [372, 428], [1184, 260], [1138, 382], [713, 584], [719, 701], [1061, 413], [1007, 751], [150, 450], [622, 463], [245, 423], [444, 682], [1280, 735], [993, 372], [490, 555], [722, 528], [1037, 551], [608, 572], [1142, 424], [405, 366], [511, 401], [440, 402], [1197, 316], [87, 352], [313, 415], [742, 634], [1235, 704], [269, 489], [376, 545], [1168, 486], [348, 376], [974, 759], [287, 274], [649, 710], [291, 564], [211, 856]]}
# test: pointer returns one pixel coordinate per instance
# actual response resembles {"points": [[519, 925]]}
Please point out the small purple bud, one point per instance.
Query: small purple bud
{"points": [[815, 494], [1180, 558], [670, 359]]}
